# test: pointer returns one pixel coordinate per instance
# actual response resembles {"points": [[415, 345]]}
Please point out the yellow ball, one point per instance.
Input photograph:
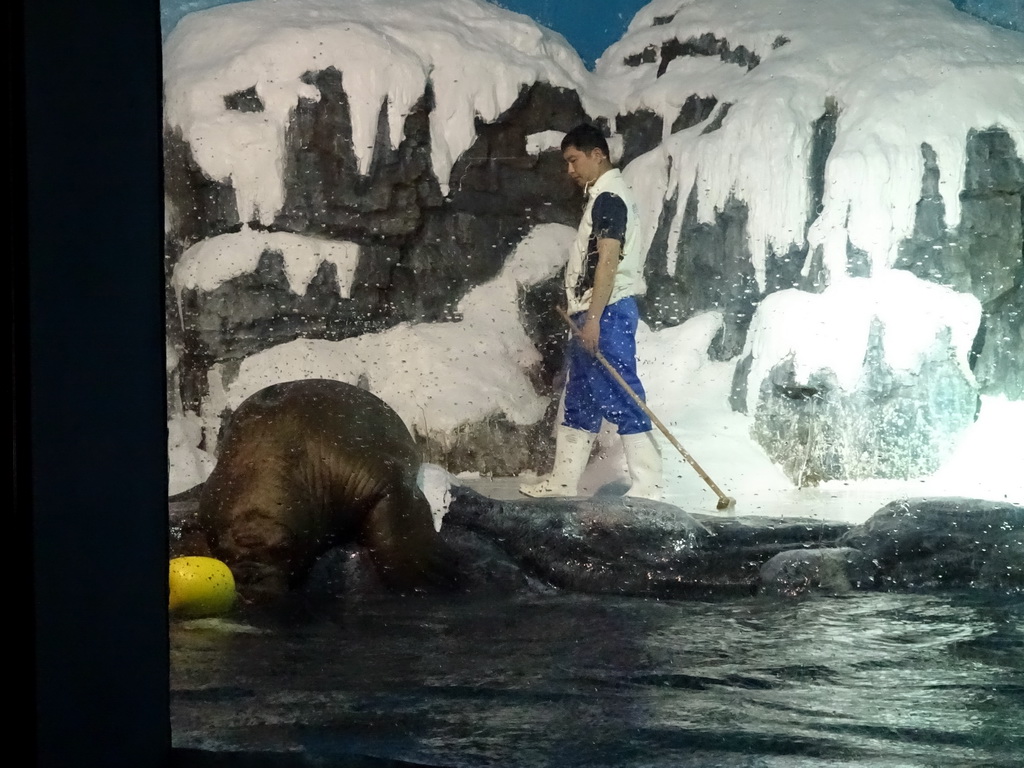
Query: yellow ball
{"points": [[200, 586]]}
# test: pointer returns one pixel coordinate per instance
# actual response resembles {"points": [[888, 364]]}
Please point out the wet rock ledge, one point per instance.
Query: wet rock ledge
{"points": [[623, 546], [645, 548]]}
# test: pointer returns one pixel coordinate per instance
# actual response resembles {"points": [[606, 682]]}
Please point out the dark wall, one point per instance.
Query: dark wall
{"points": [[89, 417]]}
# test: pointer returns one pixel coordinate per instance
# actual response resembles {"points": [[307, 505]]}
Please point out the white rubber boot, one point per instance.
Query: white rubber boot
{"points": [[572, 451], [644, 460]]}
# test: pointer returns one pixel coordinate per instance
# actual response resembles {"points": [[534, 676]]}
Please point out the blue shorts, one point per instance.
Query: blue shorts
{"points": [[591, 393]]}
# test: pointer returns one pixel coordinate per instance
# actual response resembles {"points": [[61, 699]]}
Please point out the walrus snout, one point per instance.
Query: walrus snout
{"points": [[259, 581]]}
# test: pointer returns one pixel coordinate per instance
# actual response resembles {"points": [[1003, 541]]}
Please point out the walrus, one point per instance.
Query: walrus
{"points": [[307, 465]]}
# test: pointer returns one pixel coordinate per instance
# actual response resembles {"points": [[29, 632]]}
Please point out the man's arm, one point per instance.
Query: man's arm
{"points": [[609, 250]]}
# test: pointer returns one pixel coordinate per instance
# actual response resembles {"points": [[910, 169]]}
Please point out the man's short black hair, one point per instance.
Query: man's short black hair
{"points": [[586, 137]]}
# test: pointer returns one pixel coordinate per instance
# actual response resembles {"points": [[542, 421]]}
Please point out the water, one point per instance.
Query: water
{"points": [[868, 680]]}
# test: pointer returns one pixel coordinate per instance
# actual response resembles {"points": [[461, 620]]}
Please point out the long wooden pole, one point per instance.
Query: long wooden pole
{"points": [[724, 502]]}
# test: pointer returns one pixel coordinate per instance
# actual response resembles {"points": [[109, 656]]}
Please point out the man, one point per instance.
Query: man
{"points": [[600, 281]]}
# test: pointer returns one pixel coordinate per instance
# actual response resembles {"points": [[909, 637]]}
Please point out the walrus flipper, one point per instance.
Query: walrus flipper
{"points": [[409, 554]]}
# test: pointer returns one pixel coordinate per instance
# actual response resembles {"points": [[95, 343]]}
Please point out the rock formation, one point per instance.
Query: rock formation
{"points": [[417, 243]]}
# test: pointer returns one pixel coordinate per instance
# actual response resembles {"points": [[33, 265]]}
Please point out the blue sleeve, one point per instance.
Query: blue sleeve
{"points": [[608, 217]]}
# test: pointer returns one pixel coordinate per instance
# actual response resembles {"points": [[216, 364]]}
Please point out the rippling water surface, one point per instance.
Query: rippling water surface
{"points": [[872, 679]]}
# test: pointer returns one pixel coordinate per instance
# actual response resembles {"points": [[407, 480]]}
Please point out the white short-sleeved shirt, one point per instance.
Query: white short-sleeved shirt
{"points": [[610, 212]]}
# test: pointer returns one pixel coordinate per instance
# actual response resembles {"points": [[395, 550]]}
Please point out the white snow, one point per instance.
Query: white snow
{"points": [[212, 262], [437, 376], [187, 458], [476, 57], [831, 329], [436, 483], [539, 142], [889, 65], [902, 73]]}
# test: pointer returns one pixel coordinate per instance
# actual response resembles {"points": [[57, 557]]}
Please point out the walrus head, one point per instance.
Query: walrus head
{"points": [[260, 550]]}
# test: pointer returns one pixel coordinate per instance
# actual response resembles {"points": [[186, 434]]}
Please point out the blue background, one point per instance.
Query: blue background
{"points": [[591, 26]]}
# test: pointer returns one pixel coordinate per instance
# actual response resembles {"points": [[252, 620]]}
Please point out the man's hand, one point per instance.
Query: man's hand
{"points": [[609, 252], [590, 334]]}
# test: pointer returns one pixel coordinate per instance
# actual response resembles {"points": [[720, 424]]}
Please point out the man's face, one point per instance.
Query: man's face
{"points": [[583, 167]]}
